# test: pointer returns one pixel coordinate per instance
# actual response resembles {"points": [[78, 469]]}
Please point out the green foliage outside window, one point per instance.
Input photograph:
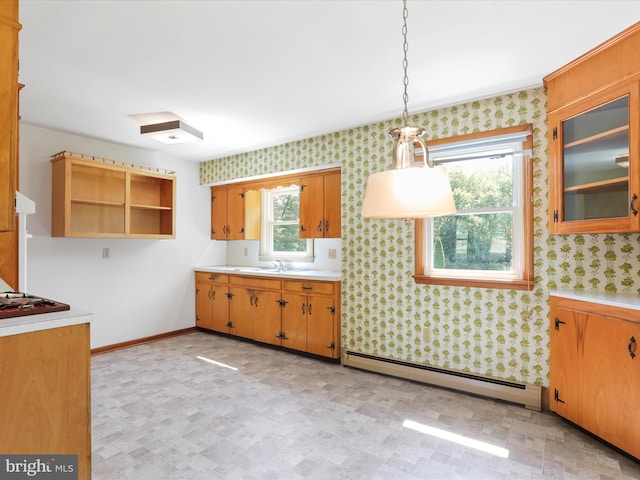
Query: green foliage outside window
{"points": [[286, 214], [479, 240]]}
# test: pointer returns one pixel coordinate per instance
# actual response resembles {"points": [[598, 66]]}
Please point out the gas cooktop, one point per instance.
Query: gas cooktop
{"points": [[16, 304]]}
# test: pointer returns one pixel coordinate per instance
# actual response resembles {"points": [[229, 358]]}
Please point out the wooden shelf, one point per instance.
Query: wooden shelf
{"points": [[95, 197], [599, 136], [614, 184]]}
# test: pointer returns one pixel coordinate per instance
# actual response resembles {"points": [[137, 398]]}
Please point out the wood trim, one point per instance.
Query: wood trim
{"points": [[488, 133], [277, 180], [475, 282], [600, 69], [139, 341], [593, 52], [527, 282]]}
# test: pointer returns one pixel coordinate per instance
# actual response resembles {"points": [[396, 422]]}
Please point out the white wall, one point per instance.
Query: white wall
{"points": [[146, 287], [246, 253]]}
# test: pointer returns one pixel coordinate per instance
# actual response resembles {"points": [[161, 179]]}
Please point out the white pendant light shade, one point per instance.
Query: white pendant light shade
{"points": [[417, 192]]}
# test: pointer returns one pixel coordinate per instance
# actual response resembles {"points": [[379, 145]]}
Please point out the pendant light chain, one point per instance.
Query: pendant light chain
{"points": [[405, 64]]}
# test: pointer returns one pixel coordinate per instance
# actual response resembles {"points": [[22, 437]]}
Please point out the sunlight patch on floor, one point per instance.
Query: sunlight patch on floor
{"points": [[208, 360], [459, 439]]}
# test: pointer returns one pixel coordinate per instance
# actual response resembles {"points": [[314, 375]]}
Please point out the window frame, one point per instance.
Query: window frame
{"points": [[267, 252], [521, 280]]}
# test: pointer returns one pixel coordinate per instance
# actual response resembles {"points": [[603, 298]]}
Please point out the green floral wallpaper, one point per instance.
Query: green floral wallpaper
{"points": [[501, 333]]}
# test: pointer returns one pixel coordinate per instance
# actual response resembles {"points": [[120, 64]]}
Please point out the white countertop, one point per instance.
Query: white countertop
{"points": [[622, 300], [42, 321], [326, 275]]}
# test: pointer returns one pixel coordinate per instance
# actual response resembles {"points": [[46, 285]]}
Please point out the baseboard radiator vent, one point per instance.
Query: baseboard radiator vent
{"points": [[523, 393]]}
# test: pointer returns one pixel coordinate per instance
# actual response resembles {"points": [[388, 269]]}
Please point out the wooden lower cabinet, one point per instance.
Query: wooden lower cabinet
{"points": [[45, 404], [212, 301], [296, 314], [309, 317], [595, 369]]}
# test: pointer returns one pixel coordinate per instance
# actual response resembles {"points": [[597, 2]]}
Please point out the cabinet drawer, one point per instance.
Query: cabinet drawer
{"points": [[212, 277], [254, 282], [326, 288]]}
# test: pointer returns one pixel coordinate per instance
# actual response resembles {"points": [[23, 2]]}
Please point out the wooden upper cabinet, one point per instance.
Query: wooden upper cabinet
{"points": [[9, 28], [93, 197], [312, 207], [594, 139], [227, 213], [320, 205]]}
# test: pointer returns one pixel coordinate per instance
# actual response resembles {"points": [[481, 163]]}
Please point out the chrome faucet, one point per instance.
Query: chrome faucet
{"points": [[278, 265]]}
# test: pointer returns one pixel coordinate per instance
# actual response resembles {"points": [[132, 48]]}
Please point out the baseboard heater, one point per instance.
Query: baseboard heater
{"points": [[523, 393]]}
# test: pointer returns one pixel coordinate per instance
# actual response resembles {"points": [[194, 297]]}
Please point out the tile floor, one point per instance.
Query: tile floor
{"points": [[162, 413]]}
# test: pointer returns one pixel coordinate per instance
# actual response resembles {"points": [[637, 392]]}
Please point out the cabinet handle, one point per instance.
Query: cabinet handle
{"points": [[559, 322], [302, 229], [282, 336], [310, 309], [303, 308], [213, 295], [251, 300], [326, 226], [631, 347], [255, 300], [319, 227], [556, 396], [631, 206]]}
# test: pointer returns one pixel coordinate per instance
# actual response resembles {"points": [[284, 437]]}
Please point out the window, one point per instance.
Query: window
{"points": [[281, 225], [488, 241]]}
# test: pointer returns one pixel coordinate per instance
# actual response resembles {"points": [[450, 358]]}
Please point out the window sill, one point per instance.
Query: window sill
{"points": [[476, 282]]}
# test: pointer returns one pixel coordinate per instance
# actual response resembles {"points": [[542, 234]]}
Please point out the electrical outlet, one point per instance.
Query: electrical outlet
{"points": [[105, 253], [426, 334], [332, 253]]}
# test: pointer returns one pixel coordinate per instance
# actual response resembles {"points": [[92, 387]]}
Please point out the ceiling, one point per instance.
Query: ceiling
{"points": [[252, 74]]}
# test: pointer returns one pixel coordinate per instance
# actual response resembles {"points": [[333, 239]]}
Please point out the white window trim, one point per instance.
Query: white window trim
{"points": [[462, 150], [266, 239]]}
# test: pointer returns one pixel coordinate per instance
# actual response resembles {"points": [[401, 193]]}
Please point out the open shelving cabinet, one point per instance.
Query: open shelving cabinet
{"points": [[95, 197]]}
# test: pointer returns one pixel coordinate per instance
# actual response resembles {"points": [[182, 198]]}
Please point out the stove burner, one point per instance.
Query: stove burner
{"points": [[15, 304]]}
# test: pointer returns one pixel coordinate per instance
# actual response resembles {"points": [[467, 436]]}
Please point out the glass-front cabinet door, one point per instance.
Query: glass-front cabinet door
{"points": [[593, 149]]}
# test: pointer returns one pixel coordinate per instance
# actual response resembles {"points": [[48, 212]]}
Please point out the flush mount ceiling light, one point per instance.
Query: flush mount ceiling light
{"points": [[407, 191], [622, 160], [174, 131]]}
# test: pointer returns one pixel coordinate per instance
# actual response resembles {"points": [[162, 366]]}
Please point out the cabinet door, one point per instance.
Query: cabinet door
{"points": [[312, 207], [593, 147], [218, 213], [294, 321], [567, 354], [320, 321], [235, 213], [241, 312], [220, 308], [203, 306], [266, 317], [332, 205], [611, 381]]}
